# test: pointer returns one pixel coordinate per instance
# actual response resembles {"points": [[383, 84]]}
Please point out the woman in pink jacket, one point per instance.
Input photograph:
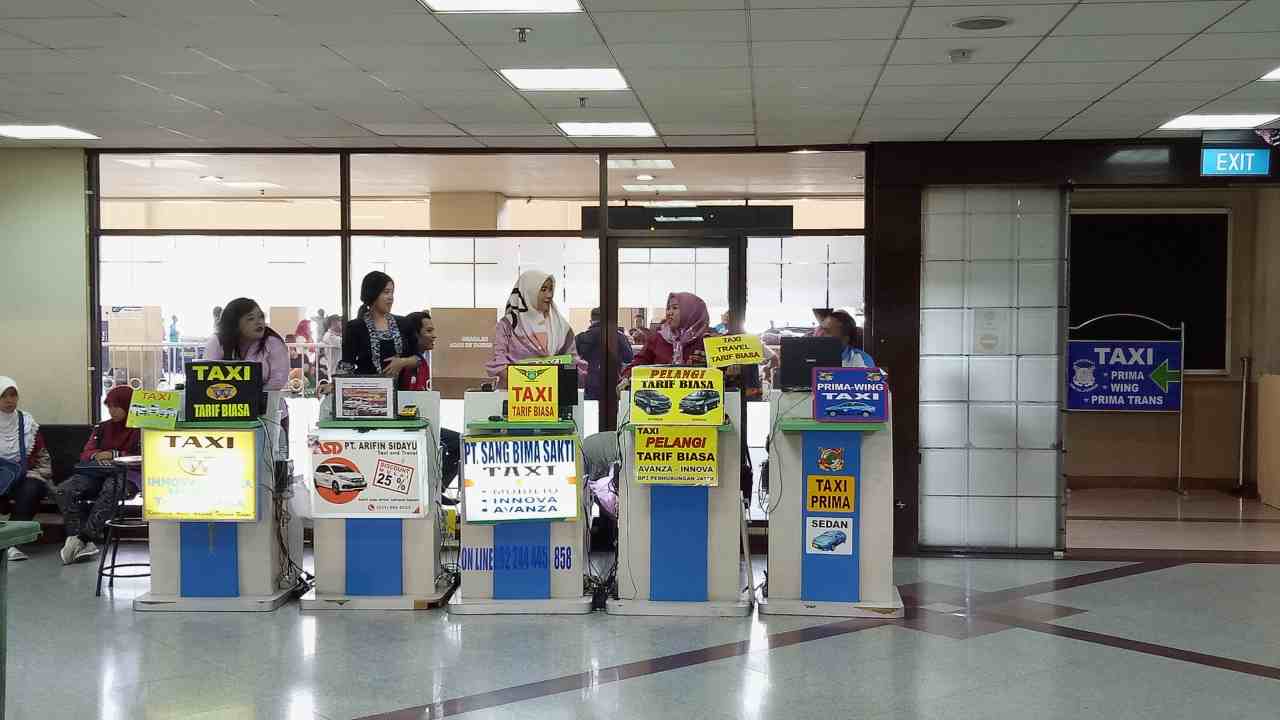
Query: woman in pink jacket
{"points": [[532, 327]]}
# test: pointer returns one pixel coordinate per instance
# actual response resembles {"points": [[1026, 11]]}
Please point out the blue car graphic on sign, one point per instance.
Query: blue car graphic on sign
{"points": [[850, 407], [830, 540]]}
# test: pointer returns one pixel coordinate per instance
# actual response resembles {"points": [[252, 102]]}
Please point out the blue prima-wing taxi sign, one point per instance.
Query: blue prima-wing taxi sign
{"points": [[1235, 161], [1124, 375], [850, 394]]}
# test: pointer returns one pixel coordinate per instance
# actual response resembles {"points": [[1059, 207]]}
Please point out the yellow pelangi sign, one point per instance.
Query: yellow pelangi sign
{"points": [[831, 493], [676, 455], [205, 474], [725, 350], [677, 396], [533, 393]]}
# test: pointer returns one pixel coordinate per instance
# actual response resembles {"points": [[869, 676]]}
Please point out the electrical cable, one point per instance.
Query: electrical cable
{"points": [[292, 576]]}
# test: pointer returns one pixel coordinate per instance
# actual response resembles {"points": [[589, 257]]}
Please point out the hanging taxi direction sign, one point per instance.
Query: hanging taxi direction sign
{"points": [[725, 350], [677, 396]]}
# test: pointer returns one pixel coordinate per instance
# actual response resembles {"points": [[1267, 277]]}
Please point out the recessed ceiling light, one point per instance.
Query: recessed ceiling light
{"points": [[45, 132], [981, 23], [655, 188], [503, 6], [579, 79], [160, 163], [1273, 75], [608, 129], [644, 178], [804, 151], [639, 164], [1218, 122]]}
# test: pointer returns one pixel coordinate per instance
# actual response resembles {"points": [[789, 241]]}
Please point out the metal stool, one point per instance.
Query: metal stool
{"points": [[120, 520]]}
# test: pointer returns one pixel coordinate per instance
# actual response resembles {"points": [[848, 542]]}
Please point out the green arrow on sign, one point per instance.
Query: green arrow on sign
{"points": [[1162, 376]]}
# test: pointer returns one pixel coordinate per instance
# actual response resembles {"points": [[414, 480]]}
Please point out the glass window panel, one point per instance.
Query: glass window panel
{"points": [[805, 285], [452, 249], [672, 255], [764, 283], [633, 284], [544, 253], [633, 255], [582, 285], [762, 249], [712, 255], [846, 281], [666, 279], [804, 249], [494, 250], [493, 285], [453, 285], [583, 250], [712, 285], [846, 248]]}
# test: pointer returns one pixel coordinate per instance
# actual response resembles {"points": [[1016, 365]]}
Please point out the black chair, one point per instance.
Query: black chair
{"points": [[125, 518]]}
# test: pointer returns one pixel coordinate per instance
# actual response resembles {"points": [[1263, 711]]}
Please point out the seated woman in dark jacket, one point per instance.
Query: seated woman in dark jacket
{"points": [[87, 499]]}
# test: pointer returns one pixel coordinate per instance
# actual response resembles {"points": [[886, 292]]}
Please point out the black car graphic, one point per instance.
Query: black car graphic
{"points": [[652, 402], [700, 402]]}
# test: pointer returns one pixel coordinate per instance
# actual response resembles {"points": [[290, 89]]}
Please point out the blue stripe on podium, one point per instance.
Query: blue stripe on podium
{"points": [[678, 543], [829, 568], [375, 556], [522, 560], [209, 561]]}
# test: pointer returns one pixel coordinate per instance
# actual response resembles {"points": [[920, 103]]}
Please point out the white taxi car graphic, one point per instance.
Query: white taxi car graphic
{"points": [[339, 478]]}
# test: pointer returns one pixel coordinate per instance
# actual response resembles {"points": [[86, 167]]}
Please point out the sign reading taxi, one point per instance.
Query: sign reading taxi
{"points": [[676, 455], [726, 350], [533, 393], [155, 409], [831, 494], [677, 396]]}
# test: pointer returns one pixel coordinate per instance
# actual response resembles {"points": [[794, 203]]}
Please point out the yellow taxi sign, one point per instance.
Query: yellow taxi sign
{"points": [[677, 396], [206, 474], [676, 455], [533, 393], [726, 350], [831, 494]]}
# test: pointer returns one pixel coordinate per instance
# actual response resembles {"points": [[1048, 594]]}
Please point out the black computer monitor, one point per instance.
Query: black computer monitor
{"points": [[567, 383], [800, 355]]}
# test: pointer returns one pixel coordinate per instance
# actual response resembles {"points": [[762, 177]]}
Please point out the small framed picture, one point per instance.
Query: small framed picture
{"points": [[364, 397]]}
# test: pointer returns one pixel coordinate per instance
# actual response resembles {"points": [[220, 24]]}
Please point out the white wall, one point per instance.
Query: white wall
{"points": [[44, 285]]}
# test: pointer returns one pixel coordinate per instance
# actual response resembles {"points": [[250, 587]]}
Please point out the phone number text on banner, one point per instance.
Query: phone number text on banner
{"points": [[520, 479], [676, 455]]}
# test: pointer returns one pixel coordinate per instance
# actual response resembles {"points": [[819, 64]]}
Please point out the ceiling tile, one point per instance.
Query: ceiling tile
{"points": [[1237, 105], [476, 81], [530, 56], [732, 79], [955, 74], [690, 28], [895, 133], [1194, 71], [880, 114], [1256, 16], [618, 99], [654, 143], [340, 8], [827, 53], [126, 60], [830, 24], [995, 135], [792, 80], [1257, 91], [436, 142], [559, 115], [54, 9], [1105, 49], [606, 6], [676, 55], [87, 32], [745, 140], [1144, 18], [1110, 108], [1071, 133], [929, 93], [1172, 91], [458, 111], [1061, 109], [379, 57], [985, 50], [1074, 72], [13, 42], [1025, 21], [546, 29], [1231, 47], [510, 130], [706, 128], [277, 58], [785, 4], [20, 62], [1066, 91], [366, 28], [409, 129], [523, 141]]}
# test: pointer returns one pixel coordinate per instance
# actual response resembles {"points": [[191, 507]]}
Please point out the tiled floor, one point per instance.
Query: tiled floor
{"points": [[1164, 520], [1003, 639]]}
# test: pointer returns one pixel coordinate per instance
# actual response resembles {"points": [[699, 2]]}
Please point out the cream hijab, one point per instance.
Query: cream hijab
{"points": [[522, 311], [9, 445]]}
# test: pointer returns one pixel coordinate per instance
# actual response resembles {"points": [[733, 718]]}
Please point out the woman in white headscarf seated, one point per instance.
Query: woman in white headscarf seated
{"points": [[532, 327], [26, 468]]}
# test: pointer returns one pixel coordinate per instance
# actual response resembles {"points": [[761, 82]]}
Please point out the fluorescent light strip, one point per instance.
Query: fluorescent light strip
{"points": [[577, 79], [608, 129], [655, 188], [45, 132], [1271, 76], [639, 164], [503, 6], [1218, 122]]}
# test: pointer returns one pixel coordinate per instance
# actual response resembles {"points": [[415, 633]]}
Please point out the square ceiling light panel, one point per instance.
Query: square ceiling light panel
{"points": [[1218, 122], [503, 6], [579, 79], [608, 129], [45, 132]]}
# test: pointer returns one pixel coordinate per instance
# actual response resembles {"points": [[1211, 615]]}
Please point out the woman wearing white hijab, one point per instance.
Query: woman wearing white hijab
{"points": [[532, 327], [19, 433]]}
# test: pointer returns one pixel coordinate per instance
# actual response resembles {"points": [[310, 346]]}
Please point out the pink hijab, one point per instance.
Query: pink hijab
{"points": [[694, 324]]}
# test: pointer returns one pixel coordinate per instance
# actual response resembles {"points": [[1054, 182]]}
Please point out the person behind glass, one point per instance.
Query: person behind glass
{"points": [[22, 445], [420, 327], [590, 345], [88, 498], [243, 335], [532, 327], [678, 340], [372, 343], [841, 324], [330, 349]]}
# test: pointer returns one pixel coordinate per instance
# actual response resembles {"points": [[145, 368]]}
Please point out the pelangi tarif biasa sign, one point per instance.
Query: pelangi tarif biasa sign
{"points": [[526, 478], [533, 393], [677, 396], [1124, 376], [199, 475], [676, 455]]}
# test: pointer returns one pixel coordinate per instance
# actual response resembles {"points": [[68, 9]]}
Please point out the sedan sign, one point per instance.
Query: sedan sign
{"points": [[850, 395]]}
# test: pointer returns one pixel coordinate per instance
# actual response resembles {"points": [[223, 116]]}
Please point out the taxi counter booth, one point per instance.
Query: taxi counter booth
{"points": [[220, 537], [682, 523], [831, 504], [522, 519], [375, 494]]}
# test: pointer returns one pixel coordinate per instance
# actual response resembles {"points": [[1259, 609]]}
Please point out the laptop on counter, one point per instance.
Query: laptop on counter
{"points": [[800, 355]]}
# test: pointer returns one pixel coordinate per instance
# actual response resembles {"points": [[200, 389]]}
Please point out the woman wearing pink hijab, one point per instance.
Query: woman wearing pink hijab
{"points": [[678, 340]]}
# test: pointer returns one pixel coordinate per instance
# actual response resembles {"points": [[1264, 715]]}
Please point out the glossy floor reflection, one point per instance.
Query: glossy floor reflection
{"points": [[984, 639], [1164, 520]]}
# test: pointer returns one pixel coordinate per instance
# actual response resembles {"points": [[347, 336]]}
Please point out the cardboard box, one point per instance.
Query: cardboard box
{"points": [[464, 343]]}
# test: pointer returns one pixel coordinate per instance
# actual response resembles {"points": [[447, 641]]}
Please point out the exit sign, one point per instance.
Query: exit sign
{"points": [[1235, 161]]}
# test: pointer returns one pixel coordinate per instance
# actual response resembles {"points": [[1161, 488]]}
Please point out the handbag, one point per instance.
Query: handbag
{"points": [[10, 471]]}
